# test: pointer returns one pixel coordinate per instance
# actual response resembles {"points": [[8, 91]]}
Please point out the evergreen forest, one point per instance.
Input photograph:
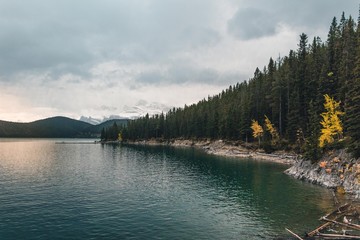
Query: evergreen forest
{"points": [[289, 92]]}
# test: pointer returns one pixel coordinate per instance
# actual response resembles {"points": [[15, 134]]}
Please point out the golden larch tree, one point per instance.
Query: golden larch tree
{"points": [[331, 122], [272, 130], [258, 131]]}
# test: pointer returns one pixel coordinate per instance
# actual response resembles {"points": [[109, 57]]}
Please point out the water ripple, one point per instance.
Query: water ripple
{"points": [[69, 191]]}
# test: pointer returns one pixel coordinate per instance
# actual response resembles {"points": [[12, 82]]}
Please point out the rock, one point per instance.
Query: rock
{"points": [[333, 171]]}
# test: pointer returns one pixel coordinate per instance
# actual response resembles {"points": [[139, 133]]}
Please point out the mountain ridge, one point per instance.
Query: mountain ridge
{"points": [[53, 127]]}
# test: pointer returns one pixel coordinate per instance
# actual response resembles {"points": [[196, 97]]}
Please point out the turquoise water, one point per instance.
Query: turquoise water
{"points": [[94, 191]]}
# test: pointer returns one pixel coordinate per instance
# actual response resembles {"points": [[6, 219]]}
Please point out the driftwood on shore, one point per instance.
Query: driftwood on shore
{"points": [[337, 236], [336, 225], [294, 234]]}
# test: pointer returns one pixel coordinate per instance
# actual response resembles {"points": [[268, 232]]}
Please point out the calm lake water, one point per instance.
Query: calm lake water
{"points": [[94, 191]]}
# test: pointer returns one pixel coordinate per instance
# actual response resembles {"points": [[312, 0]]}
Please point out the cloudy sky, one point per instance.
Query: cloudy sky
{"points": [[93, 57]]}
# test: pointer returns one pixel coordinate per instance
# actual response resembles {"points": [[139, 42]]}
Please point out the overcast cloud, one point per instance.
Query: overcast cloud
{"points": [[91, 57]]}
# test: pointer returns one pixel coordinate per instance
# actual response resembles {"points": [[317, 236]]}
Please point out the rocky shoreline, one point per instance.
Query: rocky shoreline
{"points": [[336, 170]]}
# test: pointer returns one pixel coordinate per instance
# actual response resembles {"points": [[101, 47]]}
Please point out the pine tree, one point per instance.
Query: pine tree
{"points": [[103, 136], [302, 80], [330, 73], [312, 151], [352, 105], [348, 56], [293, 116]]}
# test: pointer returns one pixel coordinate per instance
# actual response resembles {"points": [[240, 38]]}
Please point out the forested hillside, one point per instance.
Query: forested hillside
{"points": [[55, 127], [289, 91]]}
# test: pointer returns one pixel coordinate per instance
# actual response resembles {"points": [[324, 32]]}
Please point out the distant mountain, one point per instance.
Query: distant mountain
{"points": [[63, 127], [55, 127], [96, 121], [96, 129], [142, 108], [93, 121]]}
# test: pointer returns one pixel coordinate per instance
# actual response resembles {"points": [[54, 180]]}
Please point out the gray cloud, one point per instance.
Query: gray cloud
{"points": [[114, 52], [250, 23], [187, 74], [108, 108], [256, 19], [67, 36]]}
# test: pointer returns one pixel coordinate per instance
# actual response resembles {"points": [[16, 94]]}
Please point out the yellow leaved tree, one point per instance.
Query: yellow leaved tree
{"points": [[331, 122], [120, 138], [257, 130], [272, 130]]}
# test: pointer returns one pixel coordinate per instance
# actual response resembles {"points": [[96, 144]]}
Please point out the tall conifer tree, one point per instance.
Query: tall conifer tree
{"points": [[352, 104]]}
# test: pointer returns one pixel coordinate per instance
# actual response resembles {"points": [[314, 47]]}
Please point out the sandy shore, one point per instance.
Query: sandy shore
{"points": [[227, 149]]}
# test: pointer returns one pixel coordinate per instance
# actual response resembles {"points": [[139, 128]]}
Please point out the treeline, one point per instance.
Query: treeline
{"points": [[112, 133], [289, 91]]}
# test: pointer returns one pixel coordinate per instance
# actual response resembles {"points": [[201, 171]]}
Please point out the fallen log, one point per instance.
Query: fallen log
{"points": [[338, 210], [337, 236], [350, 225], [318, 229], [342, 210], [294, 234]]}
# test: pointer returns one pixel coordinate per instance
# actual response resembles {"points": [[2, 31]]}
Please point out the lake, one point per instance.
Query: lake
{"points": [[51, 190]]}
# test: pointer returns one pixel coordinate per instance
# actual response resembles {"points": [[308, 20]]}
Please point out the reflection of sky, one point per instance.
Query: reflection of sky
{"points": [[25, 157]]}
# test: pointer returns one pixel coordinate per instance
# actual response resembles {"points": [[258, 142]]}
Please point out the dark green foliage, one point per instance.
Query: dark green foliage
{"points": [[96, 129], [289, 91], [103, 134], [311, 149], [268, 148], [352, 105], [111, 133]]}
